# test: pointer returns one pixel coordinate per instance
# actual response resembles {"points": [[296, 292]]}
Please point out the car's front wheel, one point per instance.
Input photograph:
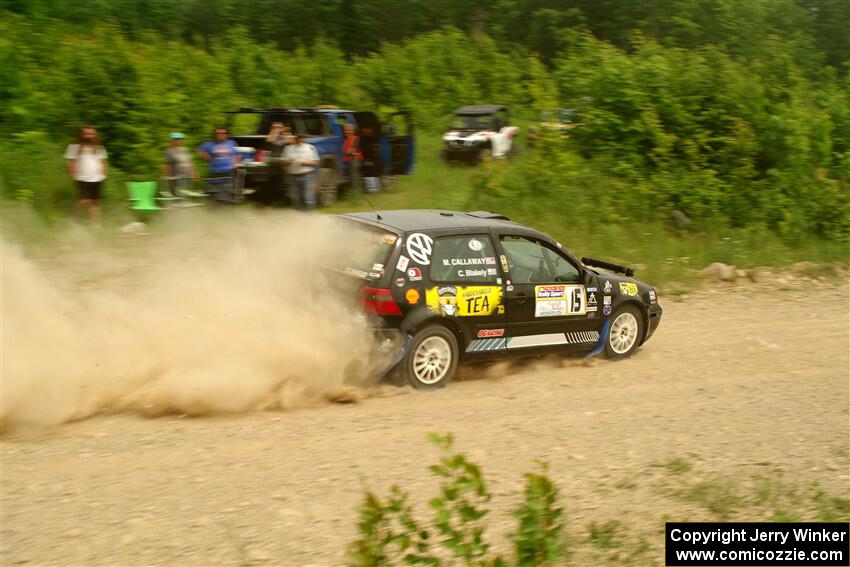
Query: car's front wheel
{"points": [[625, 333], [432, 359]]}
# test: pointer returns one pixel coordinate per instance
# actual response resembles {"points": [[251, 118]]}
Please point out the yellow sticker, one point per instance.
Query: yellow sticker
{"points": [[505, 265], [412, 296], [465, 301], [628, 289]]}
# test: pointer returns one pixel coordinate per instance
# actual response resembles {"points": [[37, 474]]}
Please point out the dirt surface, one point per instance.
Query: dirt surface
{"points": [[737, 381]]}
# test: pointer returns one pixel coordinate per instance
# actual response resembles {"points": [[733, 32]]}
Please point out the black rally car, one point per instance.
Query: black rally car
{"points": [[473, 286]]}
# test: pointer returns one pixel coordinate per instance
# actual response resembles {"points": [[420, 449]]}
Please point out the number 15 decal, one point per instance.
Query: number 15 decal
{"points": [[577, 304]]}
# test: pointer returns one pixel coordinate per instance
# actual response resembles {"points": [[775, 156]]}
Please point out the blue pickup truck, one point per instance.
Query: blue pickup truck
{"points": [[387, 146]]}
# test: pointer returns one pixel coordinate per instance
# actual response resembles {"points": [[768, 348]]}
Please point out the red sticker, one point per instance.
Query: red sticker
{"points": [[485, 333]]}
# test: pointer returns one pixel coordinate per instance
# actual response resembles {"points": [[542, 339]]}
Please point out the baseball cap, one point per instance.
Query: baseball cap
{"points": [[176, 136]]}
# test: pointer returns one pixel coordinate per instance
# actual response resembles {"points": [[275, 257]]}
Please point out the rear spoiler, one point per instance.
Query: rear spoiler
{"points": [[628, 272], [487, 215]]}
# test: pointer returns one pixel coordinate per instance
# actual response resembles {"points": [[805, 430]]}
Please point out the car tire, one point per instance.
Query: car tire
{"points": [[431, 361], [624, 333]]}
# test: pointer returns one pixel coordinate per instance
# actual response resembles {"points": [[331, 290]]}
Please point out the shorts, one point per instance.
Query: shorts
{"points": [[89, 190]]}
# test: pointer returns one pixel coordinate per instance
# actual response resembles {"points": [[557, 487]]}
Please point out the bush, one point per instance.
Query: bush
{"points": [[390, 535]]}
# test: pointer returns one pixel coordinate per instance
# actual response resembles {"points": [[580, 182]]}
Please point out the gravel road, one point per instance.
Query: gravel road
{"points": [[738, 381]]}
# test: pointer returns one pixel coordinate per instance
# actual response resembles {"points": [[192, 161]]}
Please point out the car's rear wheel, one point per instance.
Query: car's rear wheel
{"points": [[625, 333], [432, 359]]}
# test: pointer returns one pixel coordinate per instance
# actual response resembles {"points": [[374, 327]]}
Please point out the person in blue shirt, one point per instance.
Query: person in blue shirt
{"points": [[221, 153]]}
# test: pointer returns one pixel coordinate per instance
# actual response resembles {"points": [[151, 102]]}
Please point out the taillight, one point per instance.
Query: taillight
{"points": [[378, 301]]}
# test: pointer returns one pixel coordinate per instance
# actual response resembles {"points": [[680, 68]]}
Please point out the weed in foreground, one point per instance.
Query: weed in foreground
{"points": [[390, 535]]}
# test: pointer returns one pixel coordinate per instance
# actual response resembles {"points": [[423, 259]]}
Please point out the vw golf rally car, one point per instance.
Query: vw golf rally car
{"points": [[473, 286]]}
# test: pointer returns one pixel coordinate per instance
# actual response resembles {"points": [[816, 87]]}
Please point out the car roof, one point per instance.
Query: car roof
{"points": [[408, 220], [481, 109], [416, 220]]}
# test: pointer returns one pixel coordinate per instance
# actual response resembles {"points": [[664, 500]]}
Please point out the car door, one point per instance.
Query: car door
{"points": [[397, 144], [368, 128], [465, 283], [547, 304]]}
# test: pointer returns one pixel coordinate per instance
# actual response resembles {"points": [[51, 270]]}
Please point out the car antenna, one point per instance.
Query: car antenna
{"points": [[377, 214]]}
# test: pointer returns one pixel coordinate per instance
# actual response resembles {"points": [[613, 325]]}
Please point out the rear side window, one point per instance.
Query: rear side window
{"points": [[367, 252], [468, 258], [314, 124]]}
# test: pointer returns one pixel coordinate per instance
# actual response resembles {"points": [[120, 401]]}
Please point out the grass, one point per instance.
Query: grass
{"points": [[718, 495], [605, 535], [668, 258], [660, 254], [676, 466], [767, 496]]}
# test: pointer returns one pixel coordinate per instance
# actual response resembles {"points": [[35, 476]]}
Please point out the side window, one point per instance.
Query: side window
{"points": [[469, 258], [531, 262], [314, 124], [564, 271]]}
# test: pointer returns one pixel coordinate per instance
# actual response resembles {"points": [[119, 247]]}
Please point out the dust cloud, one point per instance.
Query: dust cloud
{"points": [[211, 313]]}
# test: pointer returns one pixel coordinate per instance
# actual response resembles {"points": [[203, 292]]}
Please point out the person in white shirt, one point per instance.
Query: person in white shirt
{"points": [[301, 159], [87, 166]]}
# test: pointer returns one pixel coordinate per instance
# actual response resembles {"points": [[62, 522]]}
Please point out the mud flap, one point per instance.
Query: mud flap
{"points": [[600, 344], [396, 359]]}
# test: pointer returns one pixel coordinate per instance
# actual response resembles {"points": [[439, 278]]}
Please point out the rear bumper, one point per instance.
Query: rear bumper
{"points": [[391, 343], [383, 333]]}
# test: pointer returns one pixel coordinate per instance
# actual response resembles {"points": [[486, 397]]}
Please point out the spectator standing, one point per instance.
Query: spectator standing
{"points": [[352, 157], [86, 161], [279, 136], [301, 159], [178, 167], [222, 154]]}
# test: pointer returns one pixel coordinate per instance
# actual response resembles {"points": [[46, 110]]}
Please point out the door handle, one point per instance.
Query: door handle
{"points": [[520, 298]]}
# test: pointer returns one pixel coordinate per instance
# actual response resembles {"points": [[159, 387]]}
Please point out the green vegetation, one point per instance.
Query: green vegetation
{"points": [[389, 534], [768, 496], [605, 535], [736, 114], [660, 252], [679, 465]]}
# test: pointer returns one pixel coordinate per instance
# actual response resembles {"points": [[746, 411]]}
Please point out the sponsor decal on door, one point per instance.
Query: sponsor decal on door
{"points": [[559, 300]]}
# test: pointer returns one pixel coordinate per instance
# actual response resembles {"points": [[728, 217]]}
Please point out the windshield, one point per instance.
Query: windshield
{"points": [[472, 122]]}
